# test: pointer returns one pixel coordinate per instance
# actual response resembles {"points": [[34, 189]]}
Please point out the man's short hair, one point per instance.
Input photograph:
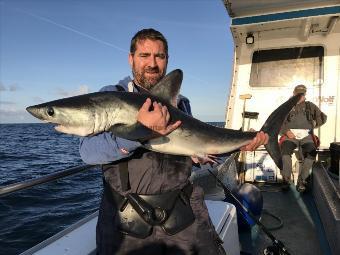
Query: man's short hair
{"points": [[151, 34], [300, 89]]}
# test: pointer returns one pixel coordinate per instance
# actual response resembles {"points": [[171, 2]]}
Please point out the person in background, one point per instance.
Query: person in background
{"points": [[135, 179], [297, 132]]}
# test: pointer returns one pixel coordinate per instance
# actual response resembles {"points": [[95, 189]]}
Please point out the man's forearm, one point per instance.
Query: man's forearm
{"points": [[105, 148]]}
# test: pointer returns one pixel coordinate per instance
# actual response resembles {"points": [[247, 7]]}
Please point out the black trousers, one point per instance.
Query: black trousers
{"points": [[307, 151]]}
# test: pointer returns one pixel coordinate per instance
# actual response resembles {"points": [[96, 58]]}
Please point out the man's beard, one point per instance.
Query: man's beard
{"points": [[147, 82]]}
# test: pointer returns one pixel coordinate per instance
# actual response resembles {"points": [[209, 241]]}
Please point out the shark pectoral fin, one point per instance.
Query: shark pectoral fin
{"points": [[134, 132]]}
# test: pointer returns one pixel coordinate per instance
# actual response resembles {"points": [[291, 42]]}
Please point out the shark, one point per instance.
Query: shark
{"points": [[116, 112]]}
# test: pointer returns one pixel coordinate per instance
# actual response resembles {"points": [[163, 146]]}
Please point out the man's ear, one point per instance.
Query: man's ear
{"points": [[130, 58]]}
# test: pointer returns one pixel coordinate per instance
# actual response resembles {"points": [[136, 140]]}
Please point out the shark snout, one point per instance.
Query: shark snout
{"points": [[32, 110], [36, 112]]}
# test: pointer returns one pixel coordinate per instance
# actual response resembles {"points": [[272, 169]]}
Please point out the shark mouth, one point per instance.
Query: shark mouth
{"points": [[59, 127], [79, 131]]}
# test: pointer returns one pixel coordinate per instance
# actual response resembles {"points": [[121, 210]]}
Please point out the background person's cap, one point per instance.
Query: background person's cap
{"points": [[300, 89]]}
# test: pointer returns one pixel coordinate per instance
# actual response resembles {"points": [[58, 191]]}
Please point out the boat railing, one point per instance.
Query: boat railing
{"points": [[11, 188]]}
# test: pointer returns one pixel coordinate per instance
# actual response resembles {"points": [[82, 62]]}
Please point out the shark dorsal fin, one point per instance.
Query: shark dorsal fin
{"points": [[168, 88]]}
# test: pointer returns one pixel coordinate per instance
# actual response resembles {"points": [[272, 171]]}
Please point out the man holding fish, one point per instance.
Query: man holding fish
{"points": [[149, 205]]}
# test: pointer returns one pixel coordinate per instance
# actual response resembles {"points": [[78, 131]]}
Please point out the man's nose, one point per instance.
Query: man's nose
{"points": [[152, 62]]}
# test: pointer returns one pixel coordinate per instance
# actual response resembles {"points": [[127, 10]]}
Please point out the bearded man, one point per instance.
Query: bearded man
{"points": [[135, 179]]}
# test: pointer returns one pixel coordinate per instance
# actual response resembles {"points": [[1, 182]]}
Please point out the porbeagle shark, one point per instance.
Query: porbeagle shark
{"points": [[116, 112]]}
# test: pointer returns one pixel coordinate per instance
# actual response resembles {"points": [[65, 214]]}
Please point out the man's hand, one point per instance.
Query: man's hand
{"points": [[156, 119], [204, 160], [290, 134], [261, 138]]}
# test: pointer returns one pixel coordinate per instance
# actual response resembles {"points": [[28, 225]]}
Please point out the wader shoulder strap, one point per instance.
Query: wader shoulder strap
{"points": [[123, 168], [124, 175]]}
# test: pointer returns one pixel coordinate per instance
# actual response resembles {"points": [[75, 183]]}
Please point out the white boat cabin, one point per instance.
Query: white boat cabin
{"points": [[278, 45]]}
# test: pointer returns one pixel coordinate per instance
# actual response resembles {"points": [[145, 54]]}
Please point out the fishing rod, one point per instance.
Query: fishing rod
{"points": [[5, 190], [277, 244]]}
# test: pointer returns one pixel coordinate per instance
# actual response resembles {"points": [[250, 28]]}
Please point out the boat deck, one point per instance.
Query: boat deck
{"points": [[301, 232], [303, 216]]}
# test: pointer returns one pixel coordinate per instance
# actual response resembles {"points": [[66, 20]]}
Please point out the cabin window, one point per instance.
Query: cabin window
{"points": [[287, 67]]}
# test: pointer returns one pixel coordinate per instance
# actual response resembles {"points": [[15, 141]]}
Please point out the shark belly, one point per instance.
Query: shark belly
{"points": [[175, 143], [183, 142]]}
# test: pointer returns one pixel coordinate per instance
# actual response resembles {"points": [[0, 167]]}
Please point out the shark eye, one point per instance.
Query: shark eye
{"points": [[50, 111]]}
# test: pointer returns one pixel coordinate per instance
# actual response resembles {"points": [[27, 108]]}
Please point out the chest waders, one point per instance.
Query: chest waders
{"points": [[139, 213]]}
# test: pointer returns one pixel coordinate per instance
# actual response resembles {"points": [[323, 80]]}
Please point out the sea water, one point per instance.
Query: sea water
{"points": [[30, 216]]}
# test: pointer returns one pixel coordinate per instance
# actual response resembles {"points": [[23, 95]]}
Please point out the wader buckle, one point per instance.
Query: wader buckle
{"points": [[153, 216]]}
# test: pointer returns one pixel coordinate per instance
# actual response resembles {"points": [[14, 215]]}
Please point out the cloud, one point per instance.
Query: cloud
{"points": [[12, 87], [11, 113], [14, 115], [2, 87], [7, 103], [82, 89], [9, 109]]}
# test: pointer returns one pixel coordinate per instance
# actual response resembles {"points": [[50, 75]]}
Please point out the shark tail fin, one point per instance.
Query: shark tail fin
{"points": [[273, 125]]}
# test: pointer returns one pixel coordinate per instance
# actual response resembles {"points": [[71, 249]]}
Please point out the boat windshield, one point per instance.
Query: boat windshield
{"points": [[284, 67]]}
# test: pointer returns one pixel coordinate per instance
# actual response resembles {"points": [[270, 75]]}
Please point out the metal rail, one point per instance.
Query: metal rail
{"points": [[5, 190]]}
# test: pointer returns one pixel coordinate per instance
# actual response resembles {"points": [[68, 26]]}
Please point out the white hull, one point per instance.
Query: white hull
{"points": [[80, 238]]}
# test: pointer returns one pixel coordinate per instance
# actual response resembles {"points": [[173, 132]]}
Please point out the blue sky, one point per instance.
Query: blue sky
{"points": [[54, 49]]}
